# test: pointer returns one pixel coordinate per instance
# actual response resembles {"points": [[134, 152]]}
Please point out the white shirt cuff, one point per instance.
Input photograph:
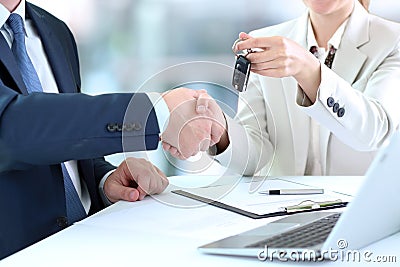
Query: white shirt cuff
{"points": [[161, 109], [103, 196]]}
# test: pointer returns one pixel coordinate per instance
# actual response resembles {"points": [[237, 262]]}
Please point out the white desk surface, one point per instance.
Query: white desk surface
{"points": [[151, 233]]}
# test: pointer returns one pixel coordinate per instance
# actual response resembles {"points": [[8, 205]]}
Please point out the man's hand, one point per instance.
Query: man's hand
{"points": [[208, 106], [188, 131], [133, 180], [203, 123]]}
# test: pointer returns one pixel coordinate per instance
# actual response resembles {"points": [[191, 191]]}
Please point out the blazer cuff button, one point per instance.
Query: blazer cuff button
{"points": [[119, 127], [340, 112], [62, 222], [335, 107], [330, 101], [111, 127], [137, 126]]}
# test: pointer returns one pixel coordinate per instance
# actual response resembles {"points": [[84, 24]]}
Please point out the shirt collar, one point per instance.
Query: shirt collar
{"points": [[335, 39], [4, 13]]}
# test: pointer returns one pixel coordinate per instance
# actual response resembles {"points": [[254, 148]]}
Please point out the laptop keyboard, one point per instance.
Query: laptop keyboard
{"points": [[302, 237]]}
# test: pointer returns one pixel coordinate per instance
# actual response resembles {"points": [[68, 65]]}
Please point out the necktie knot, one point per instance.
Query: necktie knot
{"points": [[16, 23]]}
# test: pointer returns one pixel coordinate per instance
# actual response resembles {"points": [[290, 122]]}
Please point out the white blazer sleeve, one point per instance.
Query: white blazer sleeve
{"points": [[371, 109]]}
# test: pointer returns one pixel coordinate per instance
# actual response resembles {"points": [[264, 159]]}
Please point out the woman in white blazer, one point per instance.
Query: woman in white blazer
{"points": [[300, 117]]}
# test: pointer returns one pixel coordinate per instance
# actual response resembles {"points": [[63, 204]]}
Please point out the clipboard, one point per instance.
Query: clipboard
{"points": [[301, 208]]}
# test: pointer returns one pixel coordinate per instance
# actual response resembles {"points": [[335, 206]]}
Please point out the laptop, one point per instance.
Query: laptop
{"points": [[373, 214]]}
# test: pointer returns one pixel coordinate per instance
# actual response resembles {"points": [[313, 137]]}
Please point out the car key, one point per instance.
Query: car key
{"points": [[242, 67], [241, 73]]}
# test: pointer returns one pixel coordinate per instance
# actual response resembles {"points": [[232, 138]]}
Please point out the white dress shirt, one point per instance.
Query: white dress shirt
{"points": [[314, 165]]}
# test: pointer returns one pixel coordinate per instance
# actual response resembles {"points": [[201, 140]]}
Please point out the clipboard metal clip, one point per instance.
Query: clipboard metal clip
{"points": [[313, 205]]}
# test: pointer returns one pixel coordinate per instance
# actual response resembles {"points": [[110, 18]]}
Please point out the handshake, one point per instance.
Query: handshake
{"points": [[196, 122]]}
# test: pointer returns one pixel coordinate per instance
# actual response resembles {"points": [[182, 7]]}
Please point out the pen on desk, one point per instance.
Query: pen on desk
{"points": [[301, 191]]}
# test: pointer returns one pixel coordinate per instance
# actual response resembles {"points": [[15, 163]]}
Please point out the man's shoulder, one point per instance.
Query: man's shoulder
{"points": [[47, 16], [57, 26], [41, 12]]}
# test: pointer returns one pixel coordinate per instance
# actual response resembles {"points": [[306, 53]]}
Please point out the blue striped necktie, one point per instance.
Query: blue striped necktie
{"points": [[75, 210]]}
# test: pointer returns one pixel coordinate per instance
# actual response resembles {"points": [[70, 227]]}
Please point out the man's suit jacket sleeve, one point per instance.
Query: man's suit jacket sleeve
{"points": [[72, 126]]}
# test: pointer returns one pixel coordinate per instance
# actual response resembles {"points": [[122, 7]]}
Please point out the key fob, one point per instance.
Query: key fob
{"points": [[241, 73]]}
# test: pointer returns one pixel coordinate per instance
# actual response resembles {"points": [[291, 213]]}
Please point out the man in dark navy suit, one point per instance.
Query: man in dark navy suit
{"points": [[53, 132]]}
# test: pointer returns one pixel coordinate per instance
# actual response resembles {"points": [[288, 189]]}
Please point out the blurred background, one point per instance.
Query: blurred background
{"points": [[122, 43]]}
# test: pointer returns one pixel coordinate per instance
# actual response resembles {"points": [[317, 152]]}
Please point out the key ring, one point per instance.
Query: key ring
{"points": [[240, 52]]}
